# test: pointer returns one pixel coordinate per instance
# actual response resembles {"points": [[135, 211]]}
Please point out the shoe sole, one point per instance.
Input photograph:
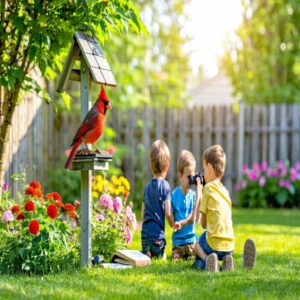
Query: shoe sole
{"points": [[212, 263], [228, 264], [249, 254]]}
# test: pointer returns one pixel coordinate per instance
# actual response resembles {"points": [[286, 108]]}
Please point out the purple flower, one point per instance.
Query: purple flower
{"points": [[237, 186], [11, 229], [100, 217], [244, 184], [281, 183], [117, 204], [4, 186], [106, 201], [128, 236], [264, 165], [7, 216], [245, 169], [252, 176], [262, 181]]}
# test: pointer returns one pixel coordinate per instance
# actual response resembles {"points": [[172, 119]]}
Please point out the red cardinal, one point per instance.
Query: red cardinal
{"points": [[91, 128]]}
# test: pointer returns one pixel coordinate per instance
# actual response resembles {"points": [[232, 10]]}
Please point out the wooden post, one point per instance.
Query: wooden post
{"points": [[86, 176], [240, 140]]}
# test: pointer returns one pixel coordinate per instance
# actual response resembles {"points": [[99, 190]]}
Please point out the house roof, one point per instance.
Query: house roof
{"points": [[214, 91]]}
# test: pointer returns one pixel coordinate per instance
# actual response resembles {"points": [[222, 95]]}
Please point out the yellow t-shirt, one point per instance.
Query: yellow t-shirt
{"points": [[216, 204]]}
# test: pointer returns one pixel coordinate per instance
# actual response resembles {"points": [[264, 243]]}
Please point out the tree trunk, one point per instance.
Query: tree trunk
{"points": [[8, 104]]}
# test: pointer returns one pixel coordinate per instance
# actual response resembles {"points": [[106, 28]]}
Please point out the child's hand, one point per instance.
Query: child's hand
{"points": [[177, 226], [199, 187]]}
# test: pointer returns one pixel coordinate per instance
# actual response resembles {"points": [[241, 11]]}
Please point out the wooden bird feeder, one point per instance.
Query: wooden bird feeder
{"points": [[93, 67]]}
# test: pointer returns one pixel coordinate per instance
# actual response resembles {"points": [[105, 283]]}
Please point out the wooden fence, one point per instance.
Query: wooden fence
{"points": [[252, 134]]}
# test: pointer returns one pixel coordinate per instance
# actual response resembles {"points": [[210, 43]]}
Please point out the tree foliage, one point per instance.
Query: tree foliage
{"points": [[264, 63], [152, 69], [35, 33]]}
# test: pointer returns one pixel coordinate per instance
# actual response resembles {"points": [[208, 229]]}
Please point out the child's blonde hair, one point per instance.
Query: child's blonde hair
{"points": [[215, 155], [185, 159], [159, 157]]}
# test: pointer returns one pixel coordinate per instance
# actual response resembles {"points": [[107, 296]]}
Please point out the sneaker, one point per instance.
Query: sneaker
{"points": [[227, 264], [212, 263], [249, 254]]}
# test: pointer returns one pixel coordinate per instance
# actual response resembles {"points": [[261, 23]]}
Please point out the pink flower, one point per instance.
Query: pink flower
{"points": [[281, 183], [7, 216], [117, 204], [264, 166], [256, 168], [131, 218], [111, 150], [106, 201], [128, 236], [237, 186], [293, 174], [245, 169], [100, 217], [262, 181], [287, 184], [280, 164], [283, 171], [252, 176], [4, 186], [297, 166], [244, 184]]}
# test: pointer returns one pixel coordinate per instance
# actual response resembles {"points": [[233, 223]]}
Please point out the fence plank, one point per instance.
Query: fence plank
{"points": [[295, 156], [283, 133], [272, 137]]}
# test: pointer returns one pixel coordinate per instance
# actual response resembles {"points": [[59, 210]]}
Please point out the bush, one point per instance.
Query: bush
{"points": [[36, 236], [265, 186]]}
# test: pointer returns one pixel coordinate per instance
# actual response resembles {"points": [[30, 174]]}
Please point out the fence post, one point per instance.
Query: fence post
{"points": [[240, 140]]}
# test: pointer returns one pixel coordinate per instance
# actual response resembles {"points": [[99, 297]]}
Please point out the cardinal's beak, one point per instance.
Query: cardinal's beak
{"points": [[109, 106]]}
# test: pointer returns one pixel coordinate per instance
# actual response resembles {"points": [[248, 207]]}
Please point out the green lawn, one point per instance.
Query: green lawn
{"points": [[276, 274]]}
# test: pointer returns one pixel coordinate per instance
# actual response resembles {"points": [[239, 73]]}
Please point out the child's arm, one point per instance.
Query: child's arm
{"points": [[195, 214], [168, 213], [142, 212], [203, 220]]}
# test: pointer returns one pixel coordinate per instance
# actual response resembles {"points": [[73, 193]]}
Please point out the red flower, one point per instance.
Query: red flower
{"points": [[69, 207], [30, 191], [56, 196], [35, 184], [29, 206], [49, 196], [34, 227], [15, 209], [38, 193], [20, 217], [59, 203], [52, 211]]}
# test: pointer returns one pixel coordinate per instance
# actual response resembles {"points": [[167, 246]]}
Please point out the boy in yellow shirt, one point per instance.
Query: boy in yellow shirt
{"points": [[217, 241]]}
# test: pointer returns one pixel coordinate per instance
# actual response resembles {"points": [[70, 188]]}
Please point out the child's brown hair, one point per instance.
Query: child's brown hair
{"points": [[215, 155], [159, 157], [185, 159]]}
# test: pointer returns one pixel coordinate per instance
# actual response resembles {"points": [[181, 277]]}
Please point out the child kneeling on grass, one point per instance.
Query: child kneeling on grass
{"points": [[183, 202], [217, 241]]}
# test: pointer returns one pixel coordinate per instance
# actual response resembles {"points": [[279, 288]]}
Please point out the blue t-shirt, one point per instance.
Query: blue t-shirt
{"points": [[156, 192], [182, 205]]}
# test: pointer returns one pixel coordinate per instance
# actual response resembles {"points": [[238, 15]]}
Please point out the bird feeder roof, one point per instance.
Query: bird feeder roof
{"points": [[88, 47]]}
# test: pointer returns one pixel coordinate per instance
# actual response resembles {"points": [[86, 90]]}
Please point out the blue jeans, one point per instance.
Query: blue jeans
{"points": [[200, 263]]}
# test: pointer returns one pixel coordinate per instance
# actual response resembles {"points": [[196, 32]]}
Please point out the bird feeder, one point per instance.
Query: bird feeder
{"points": [[93, 67]]}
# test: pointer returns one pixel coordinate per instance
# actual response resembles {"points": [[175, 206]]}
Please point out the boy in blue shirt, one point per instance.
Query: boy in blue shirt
{"points": [[156, 203], [183, 202]]}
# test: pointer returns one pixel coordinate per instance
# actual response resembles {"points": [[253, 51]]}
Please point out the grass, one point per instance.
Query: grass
{"points": [[275, 276]]}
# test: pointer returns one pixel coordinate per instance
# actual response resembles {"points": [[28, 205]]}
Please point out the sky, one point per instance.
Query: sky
{"points": [[210, 21]]}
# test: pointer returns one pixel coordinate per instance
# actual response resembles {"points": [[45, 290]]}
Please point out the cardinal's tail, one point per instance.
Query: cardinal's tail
{"points": [[72, 154]]}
